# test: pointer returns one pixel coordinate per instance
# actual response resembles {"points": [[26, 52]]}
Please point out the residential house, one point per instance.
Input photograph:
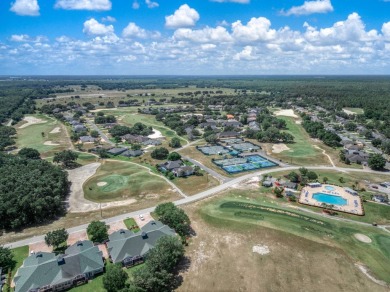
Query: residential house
{"points": [[232, 123], [134, 138], [116, 151], [45, 271], [87, 139], [171, 165], [183, 171], [290, 185], [254, 126], [79, 128], [359, 157], [132, 153], [267, 183], [129, 248], [153, 142], [228, 135], [380, 198]]}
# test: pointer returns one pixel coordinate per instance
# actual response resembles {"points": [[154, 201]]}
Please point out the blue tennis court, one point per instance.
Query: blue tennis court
{"points": [[252, 162]]}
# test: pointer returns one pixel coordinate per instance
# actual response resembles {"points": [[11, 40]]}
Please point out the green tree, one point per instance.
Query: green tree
{"points": [[278, 192], [29, 153], [174, 156], [311, 175], [174, 217], [97, 231], [160, 153], [293, 176], [115, 279], [341, 180], [325, 179], [135, 146], [66, 157], [175, 142], [56, 238], [94, 134], [376, 162], [7, 261], [303, 171]]}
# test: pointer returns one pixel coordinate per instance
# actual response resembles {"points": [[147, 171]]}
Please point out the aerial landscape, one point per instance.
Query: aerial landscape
{"points": [[222, 145]]}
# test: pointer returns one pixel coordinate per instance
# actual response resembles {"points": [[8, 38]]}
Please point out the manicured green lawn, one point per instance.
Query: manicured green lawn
{"points": [[123, 181], [302, 150], [20, 254], [31, 136], [247, 214], [130, 224]]}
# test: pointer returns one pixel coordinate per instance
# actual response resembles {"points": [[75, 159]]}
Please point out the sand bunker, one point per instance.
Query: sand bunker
{"points": [[261, 249], [156, 134], [102, 184], [348, 112], [55, 130], [50, 143], [298, 122], [286, 113], [362, 238], [277, 148], [31, 121]]}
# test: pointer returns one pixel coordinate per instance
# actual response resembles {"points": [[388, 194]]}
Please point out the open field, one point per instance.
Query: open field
{"points": [[122, 181], [48, 142], [236, 223], [353, 110], [92, 94], [225, 245], [130, 224], [194, 184], [19, 254], [302, 151]]}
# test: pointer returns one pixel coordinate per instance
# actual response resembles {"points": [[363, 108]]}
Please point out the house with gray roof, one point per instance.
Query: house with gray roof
{"points": [[45, 271], [171, 165], [153, 142], [129, 248], [116, 151], [132, 153], [183, 171], [87, 139]]}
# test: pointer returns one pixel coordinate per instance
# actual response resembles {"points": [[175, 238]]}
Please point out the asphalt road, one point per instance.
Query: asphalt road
{"points": [[104, 136], [200, 196]]}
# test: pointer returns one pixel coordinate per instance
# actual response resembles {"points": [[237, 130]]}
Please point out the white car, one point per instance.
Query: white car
{"points": [[141, 217]]}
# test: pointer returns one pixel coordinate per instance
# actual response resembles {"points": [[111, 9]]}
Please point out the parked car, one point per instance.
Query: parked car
{"points": [[374, 187], [141, 217]]}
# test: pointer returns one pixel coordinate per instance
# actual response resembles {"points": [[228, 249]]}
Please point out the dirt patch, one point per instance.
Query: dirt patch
{"points": [[286, 113], [39, 246], [55, 130], [278, 148], [103, 249], [156, 134], [115, 226], [298, 122], [101, 184], [31, 121], [77, 236], [362, 238], [252, 183], [50, 143], [260, 249], [348, 112]]}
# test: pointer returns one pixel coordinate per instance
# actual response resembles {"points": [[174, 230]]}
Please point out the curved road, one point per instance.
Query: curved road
{"points": [[201, 196]]}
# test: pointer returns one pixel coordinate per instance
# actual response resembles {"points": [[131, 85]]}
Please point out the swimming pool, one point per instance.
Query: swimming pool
{"points": [[329, 188], [330, 199]]}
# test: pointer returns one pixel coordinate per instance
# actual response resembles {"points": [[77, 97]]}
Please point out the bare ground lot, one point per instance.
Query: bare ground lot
{"points": [[222, 259]]}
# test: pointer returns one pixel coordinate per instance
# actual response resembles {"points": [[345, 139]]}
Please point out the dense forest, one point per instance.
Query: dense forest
{"points": [[31, 191]]}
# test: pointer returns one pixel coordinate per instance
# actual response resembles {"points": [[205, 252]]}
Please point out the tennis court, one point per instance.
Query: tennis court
{"points": [[245, 146], [213, 150], [252, 162]]}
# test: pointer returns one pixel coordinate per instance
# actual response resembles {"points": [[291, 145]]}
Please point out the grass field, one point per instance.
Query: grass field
{"points": [[318, 229], [194, 184], [31, 136], [124, 181], [20, 254], [224, 245], [356, 110], [130, 224], [302, 150]]}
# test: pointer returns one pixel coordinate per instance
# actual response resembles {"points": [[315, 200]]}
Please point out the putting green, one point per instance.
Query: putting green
{"points": [[123, 181]]}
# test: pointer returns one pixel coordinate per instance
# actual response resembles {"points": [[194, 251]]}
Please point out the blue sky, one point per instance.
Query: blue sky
{"points": [[195, 37]]}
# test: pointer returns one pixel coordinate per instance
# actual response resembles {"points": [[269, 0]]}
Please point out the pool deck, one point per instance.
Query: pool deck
{"points": [[354, 203]]}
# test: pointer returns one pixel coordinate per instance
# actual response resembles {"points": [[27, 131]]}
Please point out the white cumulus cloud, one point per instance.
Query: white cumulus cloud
{"points": [[135, 5], [386, 30], [257, 29], [246, 54], [25, 7], [108, 19], [151, 4], [26, 38], [99, 5], [205, 35], [310, 7], [93, 27], [185, 16]]}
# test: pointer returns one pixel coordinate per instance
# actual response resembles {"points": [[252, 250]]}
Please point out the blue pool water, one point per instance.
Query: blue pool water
{"points": [[330, 199], [329, 188]]}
